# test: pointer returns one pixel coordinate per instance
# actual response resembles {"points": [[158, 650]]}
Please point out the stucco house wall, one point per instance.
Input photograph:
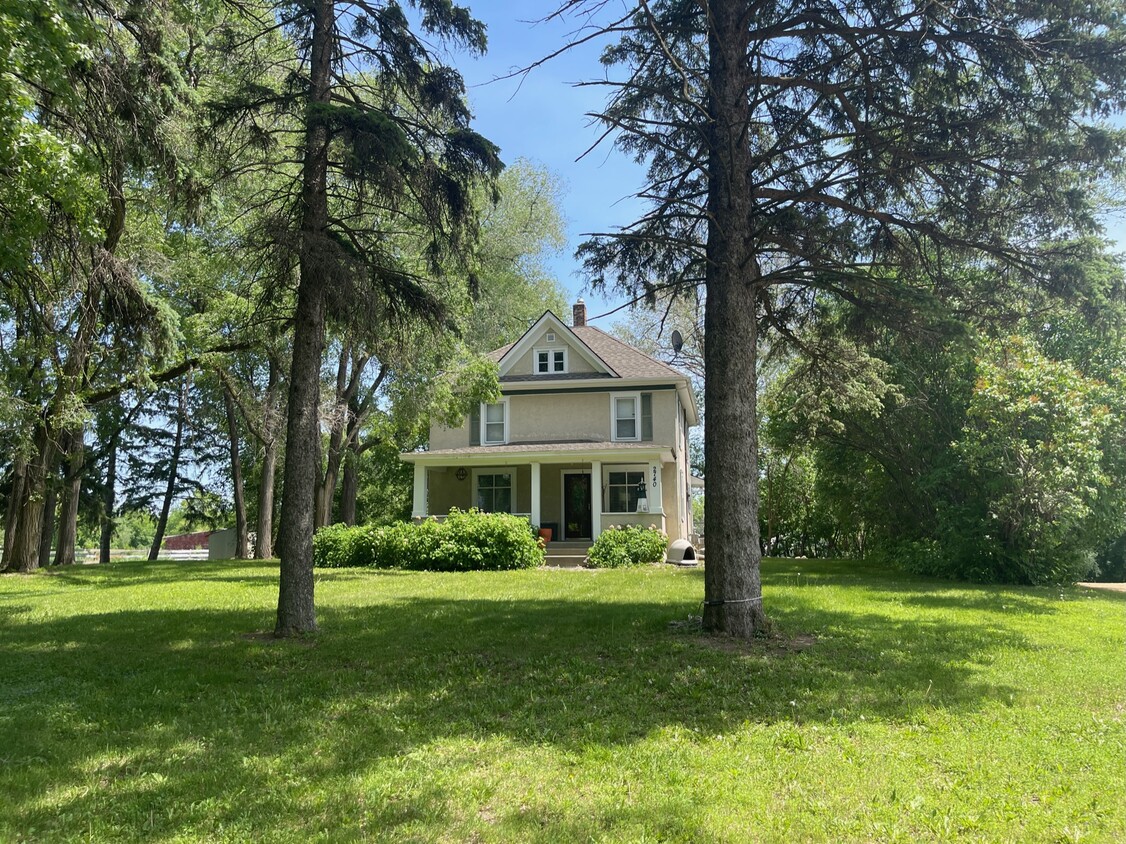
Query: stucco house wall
{"points": [[558, 423]]}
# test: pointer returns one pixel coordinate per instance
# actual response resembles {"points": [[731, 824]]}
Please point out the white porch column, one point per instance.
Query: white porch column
{"points": [[595, 498], [418, 511], [653, 485], [535, 494]]}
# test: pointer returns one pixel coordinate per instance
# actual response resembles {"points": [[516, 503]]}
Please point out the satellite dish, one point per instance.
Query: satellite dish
{"points": [[677, 342]]}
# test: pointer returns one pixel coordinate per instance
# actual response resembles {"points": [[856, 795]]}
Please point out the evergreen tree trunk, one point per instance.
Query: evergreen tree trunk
{"points": [[15, 498], [72, 490], [242, 543], [350, 486], [173, 472], [109, 502], [296, 613], [732, 580], [50, 505]]}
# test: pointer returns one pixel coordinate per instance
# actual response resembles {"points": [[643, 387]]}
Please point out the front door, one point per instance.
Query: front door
{"points": [[576, 506]]}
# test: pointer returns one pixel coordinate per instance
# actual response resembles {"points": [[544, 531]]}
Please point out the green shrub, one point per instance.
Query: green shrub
{"points": [[474, 541], [339, 546], [464, 541], [631, 545]]}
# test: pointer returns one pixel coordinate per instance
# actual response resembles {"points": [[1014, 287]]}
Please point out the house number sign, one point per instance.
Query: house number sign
{"points": [[654, 468]]}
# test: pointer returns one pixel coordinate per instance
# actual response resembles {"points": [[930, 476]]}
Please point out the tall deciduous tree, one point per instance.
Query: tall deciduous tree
{"points": [[813, 145], [76, 296]]}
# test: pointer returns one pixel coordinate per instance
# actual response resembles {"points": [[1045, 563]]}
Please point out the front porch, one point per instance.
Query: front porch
{"points": [[577, 498]]}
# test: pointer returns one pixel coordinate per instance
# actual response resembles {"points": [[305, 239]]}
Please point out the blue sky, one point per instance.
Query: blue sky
{"points": [[541, 117]]}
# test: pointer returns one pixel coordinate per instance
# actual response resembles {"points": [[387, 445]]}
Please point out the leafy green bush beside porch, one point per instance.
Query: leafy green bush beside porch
{"points": [[630, 545], [464, 541]]}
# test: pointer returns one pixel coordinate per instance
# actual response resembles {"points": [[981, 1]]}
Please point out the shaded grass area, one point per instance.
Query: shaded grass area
{"points": [[555, 706]]}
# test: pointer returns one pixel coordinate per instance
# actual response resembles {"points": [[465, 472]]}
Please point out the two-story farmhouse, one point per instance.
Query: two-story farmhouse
{"points": [[589, 432]]}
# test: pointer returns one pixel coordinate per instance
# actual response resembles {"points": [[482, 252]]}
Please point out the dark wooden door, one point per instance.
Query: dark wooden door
{"points": [[576, 506]]}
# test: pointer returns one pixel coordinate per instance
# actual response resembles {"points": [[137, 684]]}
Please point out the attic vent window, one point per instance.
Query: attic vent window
{"points": [[550, 337], [550, 361]]}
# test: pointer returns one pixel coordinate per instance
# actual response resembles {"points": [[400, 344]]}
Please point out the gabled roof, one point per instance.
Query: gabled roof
{"points": [[611, 359], [609, 355], [513, 353]]}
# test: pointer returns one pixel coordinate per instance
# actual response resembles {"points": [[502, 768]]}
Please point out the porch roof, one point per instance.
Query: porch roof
{"points": [[553, 452]]}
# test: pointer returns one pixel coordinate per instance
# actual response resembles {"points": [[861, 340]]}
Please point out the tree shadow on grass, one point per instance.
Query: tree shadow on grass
{"points": [[129, 713]]}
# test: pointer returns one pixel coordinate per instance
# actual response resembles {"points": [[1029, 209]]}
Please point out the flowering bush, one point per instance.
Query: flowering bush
{"points": [[464, 541], [630, 545]]}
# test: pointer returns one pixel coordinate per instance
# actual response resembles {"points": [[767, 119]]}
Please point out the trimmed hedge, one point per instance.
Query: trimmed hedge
{"points": [[464, 541], [631, 545]]}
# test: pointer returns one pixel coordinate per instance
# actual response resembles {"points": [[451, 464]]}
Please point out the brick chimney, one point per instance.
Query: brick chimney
{"points": [[578, 313]]}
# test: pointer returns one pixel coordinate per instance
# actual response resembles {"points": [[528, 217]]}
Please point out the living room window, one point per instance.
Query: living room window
{"points": [[624, 490], [550, 361], [625, 411], [494, 492]]}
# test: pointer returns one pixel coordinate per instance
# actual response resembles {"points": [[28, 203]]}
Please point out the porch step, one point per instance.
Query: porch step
{"points": [[566, 554]]}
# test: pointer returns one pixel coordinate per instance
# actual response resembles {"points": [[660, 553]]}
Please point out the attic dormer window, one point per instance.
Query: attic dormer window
{"points": [[549, 361]]}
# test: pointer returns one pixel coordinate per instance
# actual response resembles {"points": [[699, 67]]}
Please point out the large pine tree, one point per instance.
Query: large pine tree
{"points": [[805, 148], [378, 203]]}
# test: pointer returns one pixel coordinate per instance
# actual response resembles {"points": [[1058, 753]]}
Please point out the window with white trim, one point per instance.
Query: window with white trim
{"points": [[495, 492], [550, 361], [625, 412], [624, 490], [494, 423]]}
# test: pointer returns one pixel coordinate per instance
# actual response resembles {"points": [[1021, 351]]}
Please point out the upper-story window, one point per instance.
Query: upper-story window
{"points": [[549, 361], [631, 417], [494, 423], [626, 421]]}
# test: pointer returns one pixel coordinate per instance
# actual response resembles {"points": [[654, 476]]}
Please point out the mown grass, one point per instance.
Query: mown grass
{"points": [[555, 706]]}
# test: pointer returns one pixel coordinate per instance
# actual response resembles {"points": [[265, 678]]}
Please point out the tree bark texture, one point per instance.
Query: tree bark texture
{"points": [[15, 499], [732, 580], [29, 524], [242, 541], [326, 488], [264, 537], [296, 612], [109, 501], [47, 533], [75, 465], [350, 486], [349, 414], [264, 540], [173, 472]]}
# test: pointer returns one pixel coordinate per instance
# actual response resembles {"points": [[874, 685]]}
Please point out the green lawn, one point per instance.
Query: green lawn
{"points": [[556, 706]]}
